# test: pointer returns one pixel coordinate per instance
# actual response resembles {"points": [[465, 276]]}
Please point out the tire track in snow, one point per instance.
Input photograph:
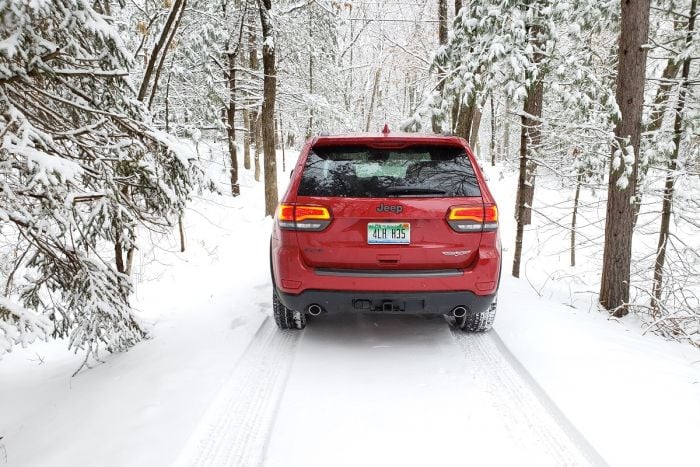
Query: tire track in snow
{"points": [[524, 402], [236, 427]]}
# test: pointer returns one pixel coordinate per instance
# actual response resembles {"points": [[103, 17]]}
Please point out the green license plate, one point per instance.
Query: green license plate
{"points": [[389, 233]]}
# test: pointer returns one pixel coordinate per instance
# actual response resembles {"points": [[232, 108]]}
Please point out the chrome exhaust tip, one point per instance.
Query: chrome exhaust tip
{"points": [[459, 312], [315, 310]]}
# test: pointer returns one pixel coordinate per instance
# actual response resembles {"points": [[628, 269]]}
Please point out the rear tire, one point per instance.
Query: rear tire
{"points": [[286, 318], [477, 322]]}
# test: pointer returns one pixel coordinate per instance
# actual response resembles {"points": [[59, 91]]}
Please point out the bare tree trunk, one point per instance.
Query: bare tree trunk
{"points": [[167, 98], [529, 142], [663, 92], [230, 124], [492, 149], [462, 114], [268, 107], [153, 64], [230, 75], [181, 228], [277, 133], [474, 130], [254, 117], [579, 181], [666, 86], [246, 139], [506, 131], [465, 119], [281, 138], [442, 40], [310, 127], [667, 206], [372, 99], [169, 41], [160, 43], [246, 60], [256, 131], [130, 260], [619, 222], [119, 254]]}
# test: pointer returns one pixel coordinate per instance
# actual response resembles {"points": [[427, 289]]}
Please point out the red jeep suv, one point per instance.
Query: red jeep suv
{"points": [[383, 223]]}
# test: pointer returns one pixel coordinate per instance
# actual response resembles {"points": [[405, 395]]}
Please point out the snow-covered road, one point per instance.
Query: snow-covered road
{"points": [[218, 384], [382, 390]]}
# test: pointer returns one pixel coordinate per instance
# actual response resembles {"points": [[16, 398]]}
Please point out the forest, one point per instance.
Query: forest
{"points": [[104, 105]]}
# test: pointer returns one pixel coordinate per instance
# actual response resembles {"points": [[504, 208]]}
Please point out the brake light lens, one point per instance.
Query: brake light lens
{"points": [[467, 213], [490, 217], [285, 212], [303, 217], [304, 213], [477, 218]]}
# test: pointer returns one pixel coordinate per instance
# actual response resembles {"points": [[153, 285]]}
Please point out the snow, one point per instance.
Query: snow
{"points": [[182, 150], [634, 397], [139, 407], [45, 166], [9, 45], [406, 391], [216, 382], [30, 326], [269, 42]]}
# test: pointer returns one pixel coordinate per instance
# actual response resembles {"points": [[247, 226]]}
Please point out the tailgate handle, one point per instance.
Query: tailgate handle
{"points": [[389, 259]]}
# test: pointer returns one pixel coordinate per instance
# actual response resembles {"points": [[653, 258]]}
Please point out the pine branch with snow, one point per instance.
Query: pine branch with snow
{"points": [[82, 169]]}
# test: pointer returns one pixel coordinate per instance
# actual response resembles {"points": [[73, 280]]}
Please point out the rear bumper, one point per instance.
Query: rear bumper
{"points": [[293, 277], [387, 302]]}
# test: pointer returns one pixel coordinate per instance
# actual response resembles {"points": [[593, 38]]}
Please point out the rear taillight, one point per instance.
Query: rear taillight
{"points": [[479, 218], [303, 217]]}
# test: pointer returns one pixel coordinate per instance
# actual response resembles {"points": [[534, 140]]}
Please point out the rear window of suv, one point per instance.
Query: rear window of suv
{"points": [[362, 172]]}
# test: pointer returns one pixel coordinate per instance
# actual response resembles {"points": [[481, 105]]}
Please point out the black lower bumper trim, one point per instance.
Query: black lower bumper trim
{"points": [[392, 273], [387, 302]]}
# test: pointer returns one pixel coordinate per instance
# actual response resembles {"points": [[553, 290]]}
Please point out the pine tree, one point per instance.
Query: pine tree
{"points": [[82, 167], [516, 46], [619, 225]]}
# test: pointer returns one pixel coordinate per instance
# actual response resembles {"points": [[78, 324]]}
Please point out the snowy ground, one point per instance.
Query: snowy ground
{"points": [[218, 385]]}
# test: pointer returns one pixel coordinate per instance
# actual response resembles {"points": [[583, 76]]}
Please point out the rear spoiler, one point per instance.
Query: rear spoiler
{"points": [[383, 142]]}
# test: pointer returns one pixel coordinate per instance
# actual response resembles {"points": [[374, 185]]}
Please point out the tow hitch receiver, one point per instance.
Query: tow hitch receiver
{"points": [[388, 306]]}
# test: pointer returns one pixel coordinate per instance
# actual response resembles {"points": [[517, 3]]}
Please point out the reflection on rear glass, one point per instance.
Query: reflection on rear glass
{"points": [[361, 172]]}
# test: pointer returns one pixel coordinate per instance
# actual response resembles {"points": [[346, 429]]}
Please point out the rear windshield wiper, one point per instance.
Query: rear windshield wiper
{"points": [[407, 190]]}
